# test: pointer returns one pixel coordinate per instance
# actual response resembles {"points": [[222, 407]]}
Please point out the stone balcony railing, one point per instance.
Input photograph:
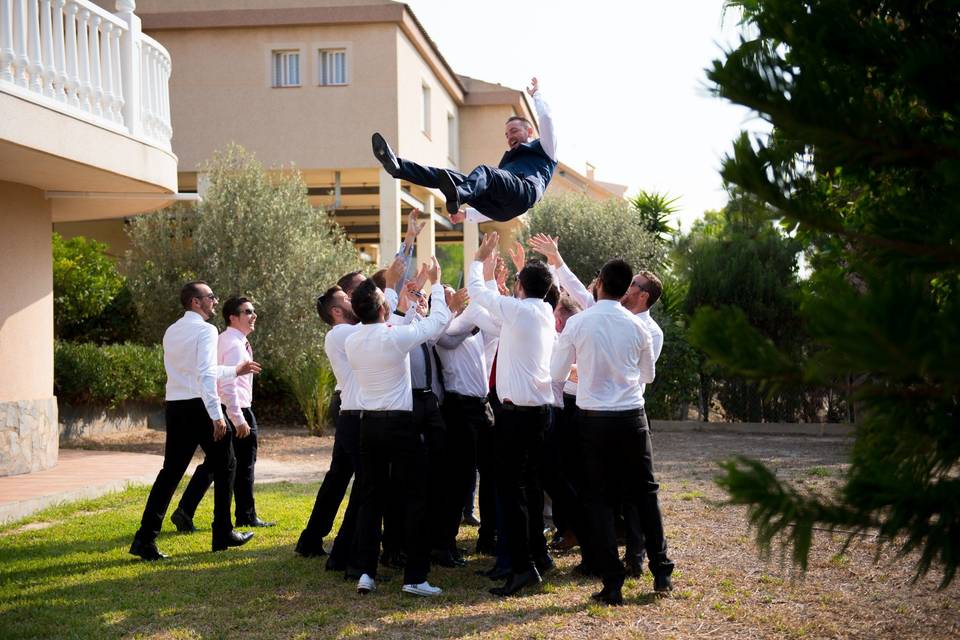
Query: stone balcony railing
{"points": [[76, 58]]}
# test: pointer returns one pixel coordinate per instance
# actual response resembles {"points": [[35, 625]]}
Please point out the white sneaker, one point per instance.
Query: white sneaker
{"points": [[422, 589], [366, 584]]}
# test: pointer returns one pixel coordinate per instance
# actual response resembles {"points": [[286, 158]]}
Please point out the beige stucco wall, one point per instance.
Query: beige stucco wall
{"points": [[110, 232], [481, 134], [413, 73], [26, 306], [227, 96]]}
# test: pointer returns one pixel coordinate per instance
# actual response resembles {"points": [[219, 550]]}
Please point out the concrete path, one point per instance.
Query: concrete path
{"points": [[82, 474]]}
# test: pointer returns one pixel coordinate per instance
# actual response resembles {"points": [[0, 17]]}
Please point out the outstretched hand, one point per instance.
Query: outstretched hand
{"points": [[487, 246], [458, 217], [489, 266], [395, 272], [500, 273], [534, 86], [413, 228], [518, 256], [549, 247], [433, 272], [458, 301]]}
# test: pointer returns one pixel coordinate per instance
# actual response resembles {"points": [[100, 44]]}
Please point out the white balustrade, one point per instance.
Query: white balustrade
{"points": [[73, 56]]}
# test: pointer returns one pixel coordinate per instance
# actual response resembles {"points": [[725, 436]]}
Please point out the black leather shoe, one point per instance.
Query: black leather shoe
{"points": [[256, 522], [385, 155], [486, 547], [146, 550], [545, 565], [609, 595], [496, 574], [449, 191], [516, 582], [586, 571], [662, 584], [447, 559], [634, 565], [182, 521], [334, 564], [309, 548], [232, 538]]}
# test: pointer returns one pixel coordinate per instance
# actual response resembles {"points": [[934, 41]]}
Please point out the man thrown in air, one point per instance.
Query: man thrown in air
{"points": [[494, 193]]}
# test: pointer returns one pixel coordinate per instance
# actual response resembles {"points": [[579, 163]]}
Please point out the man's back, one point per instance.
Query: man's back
{"points": [[189, 349]]}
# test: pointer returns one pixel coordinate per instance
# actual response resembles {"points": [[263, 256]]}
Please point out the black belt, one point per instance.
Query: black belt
{"points": [[624, 413], [386, 414], [569, 396], [350, 412], [422, 392], [540, 408], [459, 396]]}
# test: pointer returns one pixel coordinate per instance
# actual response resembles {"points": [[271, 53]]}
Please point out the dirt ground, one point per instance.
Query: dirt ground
{"points": [[724, 588]]}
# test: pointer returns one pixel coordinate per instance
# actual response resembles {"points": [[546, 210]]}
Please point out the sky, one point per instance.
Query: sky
{"points": [[625, 80]]}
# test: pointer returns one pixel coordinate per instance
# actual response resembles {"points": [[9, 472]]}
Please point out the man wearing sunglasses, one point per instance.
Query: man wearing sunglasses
{"points": [[236, 396], [194, 418]]}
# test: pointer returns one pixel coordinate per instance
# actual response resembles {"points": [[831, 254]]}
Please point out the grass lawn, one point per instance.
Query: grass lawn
{"points": [[65, 573]]}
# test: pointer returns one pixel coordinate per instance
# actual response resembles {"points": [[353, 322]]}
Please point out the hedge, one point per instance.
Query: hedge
{"points": [[86, 373]]}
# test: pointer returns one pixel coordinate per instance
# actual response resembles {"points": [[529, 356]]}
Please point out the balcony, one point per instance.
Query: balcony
{"points": [[85, 108]]}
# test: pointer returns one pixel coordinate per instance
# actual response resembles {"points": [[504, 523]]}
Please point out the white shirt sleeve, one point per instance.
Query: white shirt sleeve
{"points": [[392, 299], [208, 371], [500, 307], [548, 134], [406, 337], [574, 288], [564, 354], [475, 216]]}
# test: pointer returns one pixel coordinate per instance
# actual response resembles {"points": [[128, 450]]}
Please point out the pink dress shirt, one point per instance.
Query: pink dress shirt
{"points": [[237, 393]]}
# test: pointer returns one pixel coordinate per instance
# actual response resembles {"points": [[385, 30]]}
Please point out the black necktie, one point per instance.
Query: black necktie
{"points": [[426, 361]]}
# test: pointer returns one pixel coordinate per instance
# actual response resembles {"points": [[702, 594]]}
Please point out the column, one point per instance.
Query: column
{"points": [[389, 217], [471, 242], [427, 240]]}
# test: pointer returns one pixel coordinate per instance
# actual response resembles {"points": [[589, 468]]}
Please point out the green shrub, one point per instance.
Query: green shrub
{"points": [[108, 375], [85, 281], [312, 383]]}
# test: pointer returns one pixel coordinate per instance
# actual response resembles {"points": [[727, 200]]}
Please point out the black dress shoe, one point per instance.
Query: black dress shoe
{"points": [[256, 522], [182, 521], [486, 547], [545, 565], [634, 566], [333, 564], [498, 574], [662, 584], [385, 155], [146, 550], [309, 548], [585, 570], [231, 539], [516, 582], [449, 191], [609, 595], [447, 559]]}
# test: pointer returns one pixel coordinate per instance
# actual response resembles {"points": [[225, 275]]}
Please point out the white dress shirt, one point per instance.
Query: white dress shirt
{"points": [[334, 345], [527, 335], [656, 337], [612, 349], [235, 393], [190, 359], [465, 368], [379, 355]]}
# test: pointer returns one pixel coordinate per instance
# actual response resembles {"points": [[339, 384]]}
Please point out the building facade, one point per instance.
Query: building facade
{"points": [[84, 135]]}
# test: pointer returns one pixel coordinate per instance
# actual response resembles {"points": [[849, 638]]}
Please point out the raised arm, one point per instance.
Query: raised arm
{"points": [[549, 247], [564, 354], [407, 337], [548, 134], [500, 307]]}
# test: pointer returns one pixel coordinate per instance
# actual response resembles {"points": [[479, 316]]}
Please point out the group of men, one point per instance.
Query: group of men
{"points": [[536, 389]]}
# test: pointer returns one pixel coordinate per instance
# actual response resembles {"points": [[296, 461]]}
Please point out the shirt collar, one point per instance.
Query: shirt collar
{"points": [[643, 314], [236, 333], [607, 303], [193, 316]]}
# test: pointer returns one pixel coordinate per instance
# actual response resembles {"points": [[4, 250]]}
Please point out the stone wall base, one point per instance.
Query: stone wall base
{"points": [[28, 435], [86, 421]]}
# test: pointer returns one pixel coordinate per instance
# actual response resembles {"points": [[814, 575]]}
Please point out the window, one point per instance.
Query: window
{"points": [[286, 68], [452, 139], [425, 110], [333, 66]]}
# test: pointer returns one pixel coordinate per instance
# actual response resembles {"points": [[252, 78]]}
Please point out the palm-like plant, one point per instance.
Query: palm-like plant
{"points": [[655, 210]]}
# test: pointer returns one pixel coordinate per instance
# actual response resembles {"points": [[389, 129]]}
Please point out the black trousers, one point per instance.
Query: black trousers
{"points": [[344, 465], [518, 440], [189, 427], [618, 468], [559, 458], [466, 418], [497, 194], [428, 420], [392, 450], [245, 452]]}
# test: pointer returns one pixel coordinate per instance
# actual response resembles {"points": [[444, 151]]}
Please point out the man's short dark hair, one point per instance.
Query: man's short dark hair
{"points": [[190, 291], [520, 119], [367, 299], [652, 286], [325, 304], [616, 276], [346, 280], [380, 279], [232, 307], [536, 279]]}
